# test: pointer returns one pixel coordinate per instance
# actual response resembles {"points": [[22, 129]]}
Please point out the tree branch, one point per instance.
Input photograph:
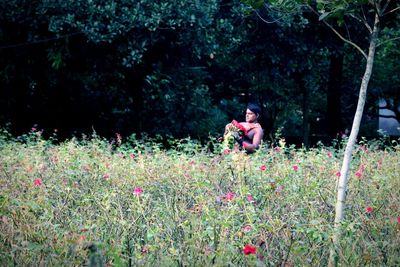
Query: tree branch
{"points": [[346, 40], [391, 11], [272, 10], [348, 33], [364, 21], [376, 6], [385, 7], [340, 36], [387, 41], [264, 20]]}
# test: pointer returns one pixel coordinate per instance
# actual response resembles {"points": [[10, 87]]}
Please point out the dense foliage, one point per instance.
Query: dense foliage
{"points": [[179, 68], [128, 202]]}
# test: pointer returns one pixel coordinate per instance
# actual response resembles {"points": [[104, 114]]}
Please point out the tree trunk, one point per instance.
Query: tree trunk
{"points": [[342, 184]]}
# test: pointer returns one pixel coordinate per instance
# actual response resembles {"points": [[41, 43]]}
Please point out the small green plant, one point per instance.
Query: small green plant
{"points": [[131, 202]]}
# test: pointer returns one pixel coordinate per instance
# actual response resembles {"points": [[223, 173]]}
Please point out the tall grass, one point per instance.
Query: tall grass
{"points": [[133, 203]]}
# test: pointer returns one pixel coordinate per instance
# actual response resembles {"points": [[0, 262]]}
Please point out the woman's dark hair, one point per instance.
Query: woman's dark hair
{"points": [[254, 108]]}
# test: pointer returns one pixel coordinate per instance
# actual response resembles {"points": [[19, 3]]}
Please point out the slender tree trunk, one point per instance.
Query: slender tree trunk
{"points": [[342, 184]]}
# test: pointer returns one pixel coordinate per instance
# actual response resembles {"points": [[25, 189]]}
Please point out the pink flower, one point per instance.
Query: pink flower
{"points": [[132, 156], [138, 191], [369, 210], [247, 249], [37, 182], [329, 154], [364, 148], [230, 196], [246, 228], [398, 220], [338, 173], [106, 176], [358, 174], [279, 188], [263, 167], [33, 129], [227, 151], [250, 198], [119, 139], [295, 168], [86, 168]]}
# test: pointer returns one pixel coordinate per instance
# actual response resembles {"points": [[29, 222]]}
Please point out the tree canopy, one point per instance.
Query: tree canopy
{"points": [[178, 68]]}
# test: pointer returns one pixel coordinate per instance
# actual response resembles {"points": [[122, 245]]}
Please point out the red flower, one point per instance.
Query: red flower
{"points": [[239, 126], [138, 191], [398, 220], [263, 167], [230, 196], [360, 170], [249, 250], [37, 182], [295, 168], [369, 210], [338, 174]]}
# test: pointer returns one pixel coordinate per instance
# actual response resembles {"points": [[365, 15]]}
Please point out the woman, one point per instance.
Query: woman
{"points": [[253, 135]]}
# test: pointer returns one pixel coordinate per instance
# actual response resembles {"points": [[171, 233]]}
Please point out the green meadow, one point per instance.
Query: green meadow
{"points": [[133, 202]]}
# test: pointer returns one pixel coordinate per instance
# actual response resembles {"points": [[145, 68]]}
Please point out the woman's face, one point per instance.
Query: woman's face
{"points": [[250, 116]]}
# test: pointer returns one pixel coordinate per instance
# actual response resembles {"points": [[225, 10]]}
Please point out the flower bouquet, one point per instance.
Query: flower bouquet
{"points": [[234, 133]]}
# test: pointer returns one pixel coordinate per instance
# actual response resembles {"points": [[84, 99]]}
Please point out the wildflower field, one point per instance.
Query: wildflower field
{"points": [[92, 202]]}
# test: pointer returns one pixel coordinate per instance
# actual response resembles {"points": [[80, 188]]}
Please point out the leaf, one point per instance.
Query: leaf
{"points": [[256, 4], [324, 15]]}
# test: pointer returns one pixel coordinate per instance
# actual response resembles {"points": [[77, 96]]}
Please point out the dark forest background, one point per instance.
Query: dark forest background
{"points": [[182, 68]]}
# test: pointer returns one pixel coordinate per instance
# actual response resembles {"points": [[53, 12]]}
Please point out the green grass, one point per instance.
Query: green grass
{"points": [[195, 209]]}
